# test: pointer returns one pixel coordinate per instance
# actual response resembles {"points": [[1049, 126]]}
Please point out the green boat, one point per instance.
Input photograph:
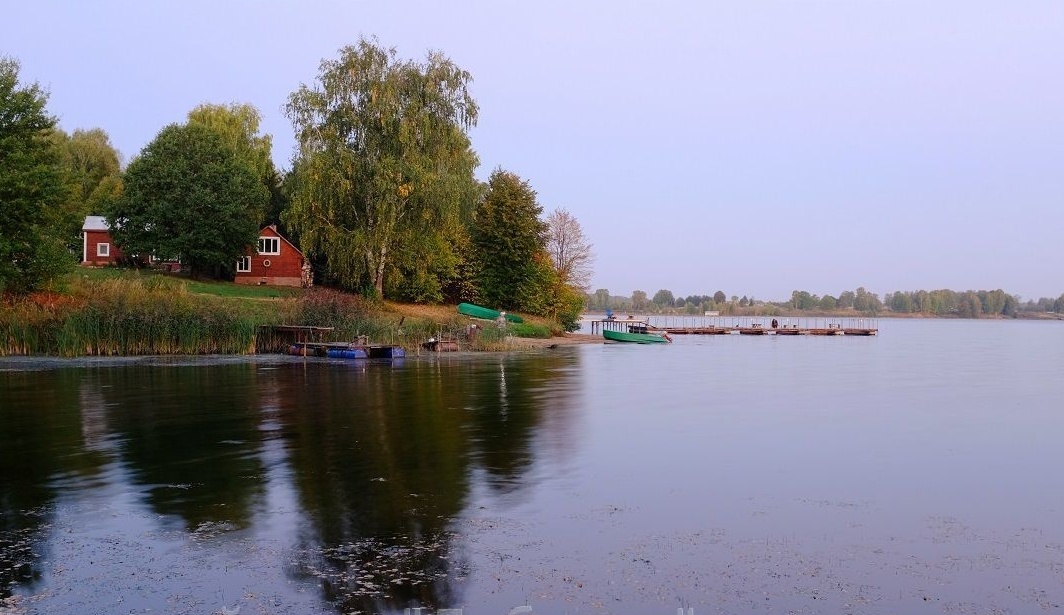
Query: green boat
{"points": [[636, 338], [486, 313]]}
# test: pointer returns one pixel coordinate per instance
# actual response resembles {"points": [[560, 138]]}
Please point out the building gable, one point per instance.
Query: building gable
{"points": [[273, 260]]}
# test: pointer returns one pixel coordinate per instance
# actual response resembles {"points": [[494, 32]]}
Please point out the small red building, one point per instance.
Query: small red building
{"points": [[98, 249], [274, 261]]}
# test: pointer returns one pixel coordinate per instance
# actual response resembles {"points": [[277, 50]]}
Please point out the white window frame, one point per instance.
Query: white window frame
{"points": [[265, 245], [243, 264], [103, 249]]}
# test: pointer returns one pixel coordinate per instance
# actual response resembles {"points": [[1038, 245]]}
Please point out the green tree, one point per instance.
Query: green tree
{"points": [[508, 237], [720, 298], [32, 187], [238, 124], [993, 301], [384, 163], [901, 302], [93, 170], [864, 301], [663, 298], [803, 300], [921, 301], [1011, 306], [970, 306], [600, 299], [639, 300], [189, 195], [461, 285]]}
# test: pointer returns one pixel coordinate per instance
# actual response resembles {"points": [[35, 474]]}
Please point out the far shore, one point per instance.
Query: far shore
{"points": [[593, 316]]}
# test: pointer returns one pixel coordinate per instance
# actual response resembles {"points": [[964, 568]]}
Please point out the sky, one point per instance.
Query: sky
{"points": [[752, 147]]}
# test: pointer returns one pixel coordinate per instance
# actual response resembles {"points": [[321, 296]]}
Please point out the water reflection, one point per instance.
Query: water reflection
{"points": [[190, 438], [43, 440], [377, 460], [383, 461]]}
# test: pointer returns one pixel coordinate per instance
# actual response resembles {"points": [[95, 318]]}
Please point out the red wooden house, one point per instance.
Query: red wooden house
{"points": [[98, 249], [274, 261]]}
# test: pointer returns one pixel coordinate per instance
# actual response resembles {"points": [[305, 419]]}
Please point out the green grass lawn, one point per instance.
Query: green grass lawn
{"points": [[199, 287]]}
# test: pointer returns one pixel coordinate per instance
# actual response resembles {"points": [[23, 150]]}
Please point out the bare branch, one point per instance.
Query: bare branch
{"points": [[569, 249]]}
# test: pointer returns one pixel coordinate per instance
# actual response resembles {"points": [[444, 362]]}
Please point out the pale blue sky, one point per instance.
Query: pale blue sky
{"points": [[749, 147]]}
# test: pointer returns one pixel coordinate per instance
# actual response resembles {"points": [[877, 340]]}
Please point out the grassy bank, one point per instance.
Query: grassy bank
{"points": [[111, 312]]}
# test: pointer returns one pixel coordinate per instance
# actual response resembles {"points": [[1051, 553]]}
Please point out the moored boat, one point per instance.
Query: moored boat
{"points": [[342, 350], [477, 311], [636, 338]]}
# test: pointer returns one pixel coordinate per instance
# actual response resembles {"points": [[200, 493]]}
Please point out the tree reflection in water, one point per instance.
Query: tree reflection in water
{"points": [[380, 458], [190, 437], [383, 460], [43, 439]]}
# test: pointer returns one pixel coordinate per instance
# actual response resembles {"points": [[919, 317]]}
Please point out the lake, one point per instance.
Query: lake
{"points": [[914, 472]]}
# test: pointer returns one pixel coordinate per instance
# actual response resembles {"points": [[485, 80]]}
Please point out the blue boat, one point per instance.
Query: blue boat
{"points": [[347, 353], [335, 350], [366, 352]]}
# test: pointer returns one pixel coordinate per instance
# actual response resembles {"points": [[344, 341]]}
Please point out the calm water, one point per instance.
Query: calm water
{"points": [[916, 472]]}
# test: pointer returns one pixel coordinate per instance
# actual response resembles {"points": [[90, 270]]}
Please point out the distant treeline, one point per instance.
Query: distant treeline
{"points": [[944, 302], [969, 303]]}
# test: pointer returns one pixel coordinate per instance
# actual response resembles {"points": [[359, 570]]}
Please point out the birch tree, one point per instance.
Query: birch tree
{"points": [[384, 162]]}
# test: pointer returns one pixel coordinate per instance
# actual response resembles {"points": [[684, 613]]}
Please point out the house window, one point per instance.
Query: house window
{"points": [[243, 264], [269, 245], [103, 249]]}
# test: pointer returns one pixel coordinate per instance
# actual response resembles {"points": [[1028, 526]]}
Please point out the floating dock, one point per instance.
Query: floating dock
{"points": [[739, 325], [346, 350], [306, 341]]}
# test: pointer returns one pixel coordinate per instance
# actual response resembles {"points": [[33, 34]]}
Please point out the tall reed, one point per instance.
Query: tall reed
{"points": [[27, 327], [128, 317]]}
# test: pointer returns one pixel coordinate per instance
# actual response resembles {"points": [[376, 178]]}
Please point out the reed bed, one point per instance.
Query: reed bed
{"points": [[126, 317], [143, 315], [27, 327]]}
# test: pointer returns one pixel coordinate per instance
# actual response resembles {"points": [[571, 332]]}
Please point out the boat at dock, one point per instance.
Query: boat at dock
{"points": [[635, 338], [342, 350], [477, 311]]}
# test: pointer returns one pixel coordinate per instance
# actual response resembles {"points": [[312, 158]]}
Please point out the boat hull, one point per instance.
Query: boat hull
{"points": [[634, 338], [477, 311]]}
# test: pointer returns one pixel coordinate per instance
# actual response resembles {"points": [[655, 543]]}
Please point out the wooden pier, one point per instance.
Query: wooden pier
{"points": [[739, 325]]}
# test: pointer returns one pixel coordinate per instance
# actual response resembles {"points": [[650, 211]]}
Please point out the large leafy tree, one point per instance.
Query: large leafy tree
{"points": [[664, 298], [93, 170], [384, 167], [32, 186], [509, 241], [639, 300], [238, 124], [190, 195]]}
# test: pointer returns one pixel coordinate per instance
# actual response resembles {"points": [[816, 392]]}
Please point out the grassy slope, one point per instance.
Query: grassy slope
{"points": [[200, 287], [250, 299]]}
